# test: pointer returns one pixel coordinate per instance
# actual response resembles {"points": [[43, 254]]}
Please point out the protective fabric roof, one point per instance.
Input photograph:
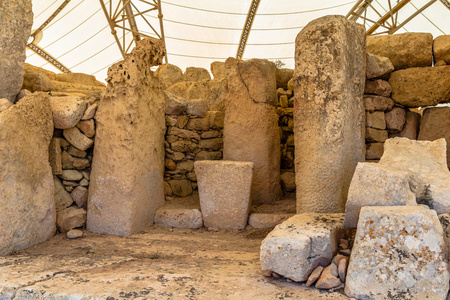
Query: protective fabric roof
{"points": [[198, 32]]}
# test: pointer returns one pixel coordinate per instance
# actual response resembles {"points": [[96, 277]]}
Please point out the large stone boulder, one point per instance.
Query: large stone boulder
{"points": [[405, 50], [196, 74], [16, 18], [328, 111], [126, 186], [426, 164], [441, 48], [416, 87], [27, 205], [251, 131], [398, 254], [435, 125], [374, 185], [301, 243]]}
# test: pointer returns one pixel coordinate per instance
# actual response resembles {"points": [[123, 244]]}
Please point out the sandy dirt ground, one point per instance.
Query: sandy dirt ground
{"points": [[157, 263]]}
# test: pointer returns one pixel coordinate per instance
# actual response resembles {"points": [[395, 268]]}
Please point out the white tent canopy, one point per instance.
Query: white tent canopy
{"points": [[198, 32]]}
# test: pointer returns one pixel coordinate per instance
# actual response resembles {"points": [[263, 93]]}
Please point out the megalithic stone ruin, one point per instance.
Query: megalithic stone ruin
{"points": [[251, 130], [128, 165], [328, 111]]}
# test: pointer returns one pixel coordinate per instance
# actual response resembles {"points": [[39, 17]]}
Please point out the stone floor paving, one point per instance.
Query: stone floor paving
{"points": [[158, 263]]}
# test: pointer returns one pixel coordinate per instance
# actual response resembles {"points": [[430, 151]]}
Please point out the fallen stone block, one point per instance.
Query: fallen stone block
{"points": [[398, 254], [179, 218], [224, 189], [375, 185], [298, 245], [263, 220], [426, 164]]}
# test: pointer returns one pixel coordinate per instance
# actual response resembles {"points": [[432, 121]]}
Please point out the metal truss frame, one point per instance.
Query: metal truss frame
{"points": [[39, 51], [389, 22], [247, 27], [122, 16]]}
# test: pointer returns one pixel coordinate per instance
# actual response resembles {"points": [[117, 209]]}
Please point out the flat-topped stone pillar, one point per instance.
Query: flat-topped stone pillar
{"points": [[126, 185], [224, 189], [329, 81], [251, 131]]}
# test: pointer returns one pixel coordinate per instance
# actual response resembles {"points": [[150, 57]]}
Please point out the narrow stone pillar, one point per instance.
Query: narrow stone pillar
{"points": [[16, 19], [251, 130], [328, 111], [126, 185]]}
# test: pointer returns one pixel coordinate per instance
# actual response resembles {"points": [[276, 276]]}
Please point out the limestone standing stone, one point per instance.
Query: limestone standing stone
{"points": [[298, 245], [435, 125], [16, 18], [398, 254], [126, 186], [27, 205], [328, 111], [224, 190], [373, 185], [251, 131]]}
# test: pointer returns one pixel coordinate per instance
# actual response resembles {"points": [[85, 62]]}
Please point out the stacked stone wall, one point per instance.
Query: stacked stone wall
{"points": [[401, 85]]}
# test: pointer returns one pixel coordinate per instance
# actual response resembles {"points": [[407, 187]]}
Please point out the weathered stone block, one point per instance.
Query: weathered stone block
{"points": [[375, 185], [328, 111], [298, 245], [36, 82], [218, 70], [54, 156], [398, 254], [376, 135], [263, 220], [211, 144], [378, 87], [283, 75], [373, 103], [224, 189], [288, 181], [27, 204], [67, 111], [441, 48], [126, 186], [404, 50], [62, 198], [376, 120], [395, 119], [179, 218], [196, 74], [76, 138], [87, 127], [201, 124], [168, 75], [374, 151], [5, 104], [254, 137], [426, 164], [70, 218], [197, 107], [16, 19], [175, 105], [80, 196], [378, 66], [208, 155], [411, 127], [416, 87], [181, 188], [436, 124], [183, 133]]}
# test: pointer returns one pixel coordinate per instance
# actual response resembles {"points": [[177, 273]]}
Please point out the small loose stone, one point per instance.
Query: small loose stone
{"points": [[314, 275], [74, 234], [342, 269]]}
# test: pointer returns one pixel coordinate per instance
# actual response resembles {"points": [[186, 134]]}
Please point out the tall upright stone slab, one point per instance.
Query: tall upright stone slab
{"points": [[16, 18], [126, 186], [27, 205], [251, 130], [328, 111]]}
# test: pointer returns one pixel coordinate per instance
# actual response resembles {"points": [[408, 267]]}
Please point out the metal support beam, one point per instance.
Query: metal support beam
{"points": [[126, 10], [420, 10], [48, 57], [247, 27], [388, 15]]}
